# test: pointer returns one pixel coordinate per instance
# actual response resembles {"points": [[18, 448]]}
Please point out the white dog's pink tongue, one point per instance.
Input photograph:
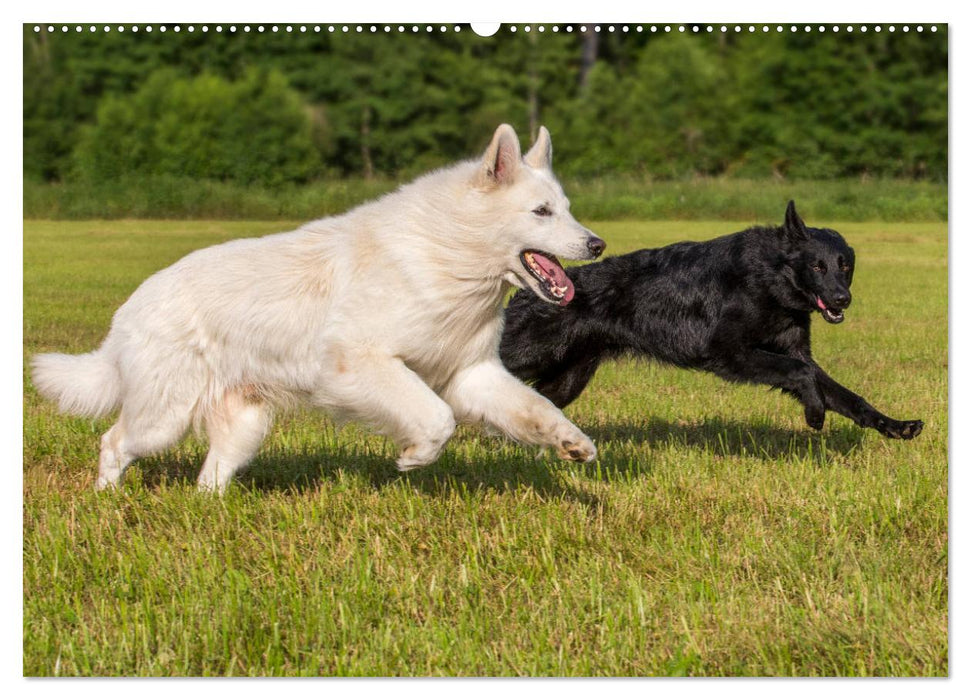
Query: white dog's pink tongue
{"points": [[552, 271]]}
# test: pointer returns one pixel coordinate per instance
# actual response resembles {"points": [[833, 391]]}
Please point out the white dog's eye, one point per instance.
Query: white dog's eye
{"points": [[543, 210]]}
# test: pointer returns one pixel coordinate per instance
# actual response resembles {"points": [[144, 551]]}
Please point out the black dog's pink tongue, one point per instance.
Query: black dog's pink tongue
{"points": [[557, 276]]}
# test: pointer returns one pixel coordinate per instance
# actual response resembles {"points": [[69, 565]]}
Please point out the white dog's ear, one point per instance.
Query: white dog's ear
{"points": [[540, 156], [502, 158]]}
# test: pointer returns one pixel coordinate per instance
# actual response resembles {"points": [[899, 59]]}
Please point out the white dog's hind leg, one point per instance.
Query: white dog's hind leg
{"points": [[236, 428], [161, 391], [113, 460], [487, 393], [383, 392], [137, 435]]}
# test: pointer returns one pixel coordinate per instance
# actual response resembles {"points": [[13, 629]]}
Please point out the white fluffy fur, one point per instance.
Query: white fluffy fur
{"points": [[389, 314]]}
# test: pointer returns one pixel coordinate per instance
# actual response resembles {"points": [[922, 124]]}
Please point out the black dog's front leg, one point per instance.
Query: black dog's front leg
{"points": [[794, 376], [843, 401]]}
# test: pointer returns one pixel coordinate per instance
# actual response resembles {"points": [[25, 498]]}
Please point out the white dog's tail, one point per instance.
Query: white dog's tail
{"points": [[87, 385]]}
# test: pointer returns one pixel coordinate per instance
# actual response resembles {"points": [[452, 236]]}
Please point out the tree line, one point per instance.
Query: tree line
{"points": [[274, 107]]}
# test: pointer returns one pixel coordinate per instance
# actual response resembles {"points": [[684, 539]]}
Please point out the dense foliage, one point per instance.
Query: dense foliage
{"points": [[234, 106], [253, 130]]}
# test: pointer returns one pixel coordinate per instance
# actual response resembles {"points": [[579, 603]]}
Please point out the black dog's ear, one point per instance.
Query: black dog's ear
{"points": [[794, 227]]}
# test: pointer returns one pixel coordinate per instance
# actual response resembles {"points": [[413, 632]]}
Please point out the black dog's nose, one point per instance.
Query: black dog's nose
{"points": [[842, 299], [595, 245]]}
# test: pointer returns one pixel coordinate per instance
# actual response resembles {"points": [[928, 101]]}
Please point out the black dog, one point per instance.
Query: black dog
{"points": [[737, 306]]}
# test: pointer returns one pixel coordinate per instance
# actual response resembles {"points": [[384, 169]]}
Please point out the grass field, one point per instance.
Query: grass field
{"points": [[716, 534], [616, 197]]}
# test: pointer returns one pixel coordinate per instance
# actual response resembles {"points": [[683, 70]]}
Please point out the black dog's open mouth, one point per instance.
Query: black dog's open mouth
{"points": [[831, 315], [552, 278]]}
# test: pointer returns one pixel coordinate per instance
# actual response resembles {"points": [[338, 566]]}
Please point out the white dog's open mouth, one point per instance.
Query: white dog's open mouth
{"points": [[550, 274]]}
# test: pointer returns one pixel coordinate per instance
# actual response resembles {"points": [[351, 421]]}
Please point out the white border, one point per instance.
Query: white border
{"points": [[423, 11]]}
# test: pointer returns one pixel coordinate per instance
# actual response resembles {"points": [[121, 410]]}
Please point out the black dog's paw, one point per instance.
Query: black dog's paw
{"points": [[909, 429], [815, 417], [901, 430]]}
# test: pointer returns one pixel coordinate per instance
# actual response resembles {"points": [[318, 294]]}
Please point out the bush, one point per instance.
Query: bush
{"points": [[251, 131]]}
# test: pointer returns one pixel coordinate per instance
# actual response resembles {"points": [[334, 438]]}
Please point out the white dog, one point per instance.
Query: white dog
{"points": [[389, 314]]}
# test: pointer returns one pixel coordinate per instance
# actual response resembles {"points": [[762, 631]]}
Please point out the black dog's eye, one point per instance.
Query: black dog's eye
{"points": [[845, 268], [818, 268], [542, 210]]}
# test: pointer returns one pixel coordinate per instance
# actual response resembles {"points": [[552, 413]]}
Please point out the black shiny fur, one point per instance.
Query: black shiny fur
{"points": [[738, 306]]}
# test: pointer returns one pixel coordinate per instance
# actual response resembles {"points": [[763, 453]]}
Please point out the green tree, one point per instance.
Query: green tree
{"points": [[787, 104], [666, 115], [254, 130], [827, 105]]}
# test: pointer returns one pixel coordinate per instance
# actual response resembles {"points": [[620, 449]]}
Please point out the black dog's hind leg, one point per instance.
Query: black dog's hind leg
{"points": [[563, 385], [793, 376], [843, 401]]}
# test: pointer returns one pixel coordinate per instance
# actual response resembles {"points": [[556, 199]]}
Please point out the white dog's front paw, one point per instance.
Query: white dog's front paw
{"points": [[578, 449]]}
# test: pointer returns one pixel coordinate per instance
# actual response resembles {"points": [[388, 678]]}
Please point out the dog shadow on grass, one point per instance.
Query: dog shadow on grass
{"points": [[495, 465], [506, 469], [727, 437]]}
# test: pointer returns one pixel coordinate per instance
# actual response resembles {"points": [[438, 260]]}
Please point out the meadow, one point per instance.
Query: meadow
{"points": [[716, 534], [603, 198]]}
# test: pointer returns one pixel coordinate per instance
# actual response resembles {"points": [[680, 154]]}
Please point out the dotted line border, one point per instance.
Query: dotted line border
{"points": [[540, 28]]}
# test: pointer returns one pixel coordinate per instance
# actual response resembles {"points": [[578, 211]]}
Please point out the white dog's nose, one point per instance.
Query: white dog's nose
{"points": [[596, 245]]}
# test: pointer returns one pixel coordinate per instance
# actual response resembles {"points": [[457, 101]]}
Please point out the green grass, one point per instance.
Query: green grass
{"points": [[602, 198], [716, 534]]}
